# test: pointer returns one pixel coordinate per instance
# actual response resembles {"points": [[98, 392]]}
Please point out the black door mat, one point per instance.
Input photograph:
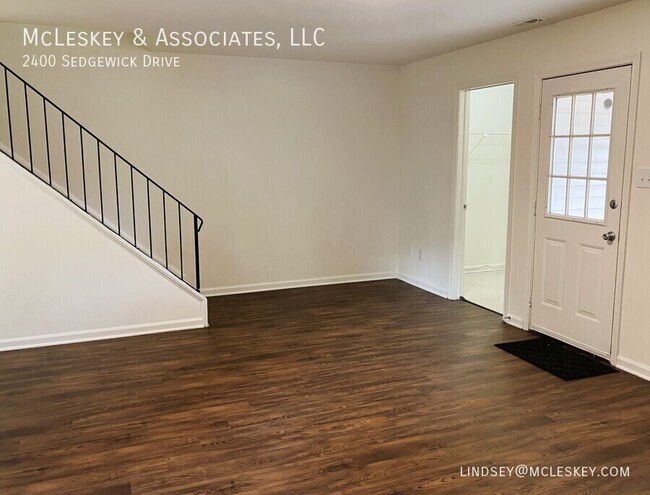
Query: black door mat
{"points": [[562, 360]]}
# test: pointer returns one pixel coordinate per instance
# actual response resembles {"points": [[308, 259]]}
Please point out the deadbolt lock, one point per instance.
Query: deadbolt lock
{"points": [[613, 204]]}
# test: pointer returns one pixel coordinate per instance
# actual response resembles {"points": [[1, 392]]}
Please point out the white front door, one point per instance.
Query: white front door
{"points": [[578, 215]]}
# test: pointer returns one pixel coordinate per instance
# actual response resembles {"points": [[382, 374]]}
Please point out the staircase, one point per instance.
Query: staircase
{"points": [[54, 147]]}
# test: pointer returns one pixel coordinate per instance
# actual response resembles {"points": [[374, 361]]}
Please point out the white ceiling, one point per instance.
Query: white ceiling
{"points": [[366, 31]]}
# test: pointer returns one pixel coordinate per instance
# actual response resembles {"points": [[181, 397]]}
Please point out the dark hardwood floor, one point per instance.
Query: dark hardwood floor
{"points": [[370, 388]]}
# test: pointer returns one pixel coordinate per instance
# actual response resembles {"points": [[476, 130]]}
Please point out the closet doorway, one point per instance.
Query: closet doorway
{"points": [[486, 162]]}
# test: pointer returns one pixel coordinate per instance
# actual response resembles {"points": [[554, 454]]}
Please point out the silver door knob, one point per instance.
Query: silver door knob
{"points": [[609, 236]]}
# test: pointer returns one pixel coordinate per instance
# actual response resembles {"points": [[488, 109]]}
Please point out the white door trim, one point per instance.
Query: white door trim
{"points": [[633, 60], [460, 186]]}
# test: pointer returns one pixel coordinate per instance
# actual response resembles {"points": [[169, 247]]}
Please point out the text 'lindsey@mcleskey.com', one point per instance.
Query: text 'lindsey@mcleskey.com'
{"points": [[529, 471]]}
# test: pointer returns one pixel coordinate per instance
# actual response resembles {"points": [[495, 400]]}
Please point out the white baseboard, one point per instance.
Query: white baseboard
{"points": [[294, 284], [485, 268], [631, 366], [101, 334], [423, 285]]}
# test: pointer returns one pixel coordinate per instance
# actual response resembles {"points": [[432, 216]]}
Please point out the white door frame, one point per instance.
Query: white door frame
{"points": [[457, 264], [633, 60]]}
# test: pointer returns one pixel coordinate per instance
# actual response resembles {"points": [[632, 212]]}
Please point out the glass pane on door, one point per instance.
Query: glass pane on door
{"points": [[580, 146], [582, 114], [603, 112]]}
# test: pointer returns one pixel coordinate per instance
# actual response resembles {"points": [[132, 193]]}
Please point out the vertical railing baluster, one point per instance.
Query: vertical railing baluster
{"points": [[117, 195], [65, 157], [99, 173], [11, 134], [135, 238], [88, 202], [180, 238], [83, 166], [165, 227], [196, 253], [47, 144], [149, 215], [29, 130]]}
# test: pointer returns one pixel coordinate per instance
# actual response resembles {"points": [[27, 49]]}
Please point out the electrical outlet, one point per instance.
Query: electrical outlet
{"points": [[420, 254], [643, 177]]}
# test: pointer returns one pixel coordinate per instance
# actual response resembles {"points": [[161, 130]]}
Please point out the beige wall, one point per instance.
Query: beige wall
{"points": [[430, 95], [292, 164]]}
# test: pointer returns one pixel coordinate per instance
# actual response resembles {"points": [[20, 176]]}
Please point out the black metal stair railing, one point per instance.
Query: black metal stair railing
{"points": [[47, 142]]}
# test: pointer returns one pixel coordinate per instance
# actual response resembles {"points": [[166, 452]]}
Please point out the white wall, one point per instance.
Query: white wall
{"points": [[430, 95], [65, 278], [488, 176], [292, 164]]}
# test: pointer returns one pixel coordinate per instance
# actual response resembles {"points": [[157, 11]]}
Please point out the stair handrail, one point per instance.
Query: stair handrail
{"points": [[197, 220]]}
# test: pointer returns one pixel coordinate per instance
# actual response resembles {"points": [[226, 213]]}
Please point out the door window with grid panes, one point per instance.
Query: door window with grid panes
{"points": [[577, 182]]}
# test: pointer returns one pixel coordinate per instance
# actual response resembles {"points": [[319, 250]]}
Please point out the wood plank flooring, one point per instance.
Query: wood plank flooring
{"points": [[370, 388]]}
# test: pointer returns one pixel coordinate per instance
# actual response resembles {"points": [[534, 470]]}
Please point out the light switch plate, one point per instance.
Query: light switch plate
{"points": [[643, 177]]}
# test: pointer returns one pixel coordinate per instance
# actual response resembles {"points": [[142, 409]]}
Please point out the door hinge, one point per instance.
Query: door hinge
{"points": [[539, 113], [535, 209], [530, 302]]}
